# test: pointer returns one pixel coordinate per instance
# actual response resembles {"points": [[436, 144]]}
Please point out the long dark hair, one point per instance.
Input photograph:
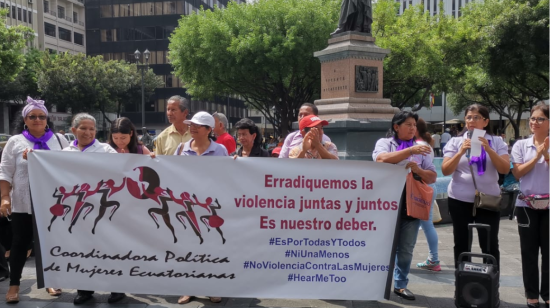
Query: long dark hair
{"points": [[252, 129], [19, 123], [484, 113], [422, 129], [399, 118], [125, 126]]}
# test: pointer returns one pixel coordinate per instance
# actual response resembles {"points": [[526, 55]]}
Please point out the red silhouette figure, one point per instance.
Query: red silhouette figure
{"points": [[213, 220], [59, 209], [80, 205], [153, 192], [188, 212], [107, 190]]}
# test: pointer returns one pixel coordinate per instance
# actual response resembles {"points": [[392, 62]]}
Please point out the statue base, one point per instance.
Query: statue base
{"points": [[351, 94]]}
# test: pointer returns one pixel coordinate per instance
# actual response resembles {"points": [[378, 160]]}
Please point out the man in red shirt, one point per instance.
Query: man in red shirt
{"points": [[220, 130]]}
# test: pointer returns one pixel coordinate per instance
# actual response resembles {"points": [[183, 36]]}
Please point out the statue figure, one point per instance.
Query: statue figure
{"points": [[355, 15]]}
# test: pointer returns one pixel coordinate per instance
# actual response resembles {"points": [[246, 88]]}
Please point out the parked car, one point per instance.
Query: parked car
{"points": [[70, 137]]}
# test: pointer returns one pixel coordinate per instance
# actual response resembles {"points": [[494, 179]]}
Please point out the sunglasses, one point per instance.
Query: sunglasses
{"points": [[34, 117]]}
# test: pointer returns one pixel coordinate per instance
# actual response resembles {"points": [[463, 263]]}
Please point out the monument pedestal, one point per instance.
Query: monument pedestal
{"points": [[351, 94]]}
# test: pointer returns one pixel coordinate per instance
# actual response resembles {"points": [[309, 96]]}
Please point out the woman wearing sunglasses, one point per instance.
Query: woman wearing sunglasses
{"points": [[530, 159], [32, 133]]}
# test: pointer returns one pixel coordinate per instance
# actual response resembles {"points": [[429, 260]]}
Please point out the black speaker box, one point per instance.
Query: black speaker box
{"points": [[477, 284]]}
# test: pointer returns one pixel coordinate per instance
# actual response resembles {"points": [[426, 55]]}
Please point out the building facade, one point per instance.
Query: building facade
{"points": [[117, 28], [450, 7]]}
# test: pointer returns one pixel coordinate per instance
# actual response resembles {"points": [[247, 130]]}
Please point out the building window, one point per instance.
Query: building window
{"points": [[49, 29], [105, 11], [158, 8], [75, 17], [30, 17], [19, 14], [13, 14], [78, 39], [169, 7], [46, 6], [24, 15], [108, 35], [116, 10], [61, 11], [147, 9], [65, 34]]}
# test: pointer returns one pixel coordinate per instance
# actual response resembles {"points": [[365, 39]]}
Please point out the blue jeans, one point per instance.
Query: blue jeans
{"points": [[404, 252], [430, 233]]}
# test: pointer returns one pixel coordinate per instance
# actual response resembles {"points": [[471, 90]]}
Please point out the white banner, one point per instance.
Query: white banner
{"points": [[214, 226]]}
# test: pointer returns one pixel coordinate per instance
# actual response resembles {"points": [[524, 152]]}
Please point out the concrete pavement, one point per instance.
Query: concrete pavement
{"points": [[432, 289]]}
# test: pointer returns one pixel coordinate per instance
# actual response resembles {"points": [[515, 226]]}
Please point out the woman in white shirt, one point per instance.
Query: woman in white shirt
{"points": [[33, 133], [84, 129]]}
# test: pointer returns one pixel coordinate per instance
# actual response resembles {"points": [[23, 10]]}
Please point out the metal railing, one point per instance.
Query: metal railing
{"points": [[81, 23], [52, 13], [69, 19]]}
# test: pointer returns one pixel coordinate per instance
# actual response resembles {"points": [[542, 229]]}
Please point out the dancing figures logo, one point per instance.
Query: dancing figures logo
{"points": [[146, 186]]}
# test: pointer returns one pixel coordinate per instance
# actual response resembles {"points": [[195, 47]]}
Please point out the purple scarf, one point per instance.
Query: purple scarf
{"points": [[75, 143], [403, 144], [39, 143], [480, 161]]}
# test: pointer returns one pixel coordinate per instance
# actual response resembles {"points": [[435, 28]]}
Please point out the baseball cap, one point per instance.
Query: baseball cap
{"points": [[276, 150], [311, 121], [202, 118]]}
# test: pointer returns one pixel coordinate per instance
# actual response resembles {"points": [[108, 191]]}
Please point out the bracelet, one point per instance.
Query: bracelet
{"points": [[411, 151]]}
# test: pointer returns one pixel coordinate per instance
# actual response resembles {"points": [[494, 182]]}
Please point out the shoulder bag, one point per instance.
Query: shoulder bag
{"points": [[535, 202], [482, 200]]}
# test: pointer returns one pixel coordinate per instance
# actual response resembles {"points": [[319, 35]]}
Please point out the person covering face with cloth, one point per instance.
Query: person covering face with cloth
{"points": [[530, 159], [33, 133], [401, 149], [486, 167]]}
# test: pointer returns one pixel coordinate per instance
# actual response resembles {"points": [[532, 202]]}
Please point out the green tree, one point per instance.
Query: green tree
{"points": [[262, 52], [509, 72], [425, 52], [25, 83], [12, 43], [90, 84]]}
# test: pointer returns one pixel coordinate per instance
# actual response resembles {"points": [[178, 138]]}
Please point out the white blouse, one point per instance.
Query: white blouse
{"points": [[14, 169], [97, 147]]}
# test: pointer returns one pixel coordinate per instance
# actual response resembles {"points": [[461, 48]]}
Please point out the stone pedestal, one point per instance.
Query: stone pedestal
{"points": [[351, 94]]}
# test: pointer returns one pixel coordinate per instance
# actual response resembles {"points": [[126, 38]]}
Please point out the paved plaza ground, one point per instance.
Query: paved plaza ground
{"points": [[432, 289]]}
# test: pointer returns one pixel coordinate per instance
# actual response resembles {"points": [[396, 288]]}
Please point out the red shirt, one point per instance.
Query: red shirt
{"points": [[227, 140]]}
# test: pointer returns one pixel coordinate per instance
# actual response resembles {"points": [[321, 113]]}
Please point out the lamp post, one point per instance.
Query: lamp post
{"points": [[142, 68]]}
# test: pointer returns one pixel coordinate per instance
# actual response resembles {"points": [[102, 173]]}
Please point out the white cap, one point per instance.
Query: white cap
{"points": [[202, 118], [447, 129]]}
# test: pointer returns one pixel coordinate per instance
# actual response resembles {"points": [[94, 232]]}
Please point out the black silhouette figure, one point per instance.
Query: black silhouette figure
{"points": [[60, 209], [213, 220], [81, 205], [154, 192], [188, 212], [108, 189]]}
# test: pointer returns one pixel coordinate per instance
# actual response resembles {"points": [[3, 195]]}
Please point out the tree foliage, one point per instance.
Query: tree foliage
{"points": [[509, 73], [261, 51], [25, 83], [426, 52], [89, 84], [12, 43]]}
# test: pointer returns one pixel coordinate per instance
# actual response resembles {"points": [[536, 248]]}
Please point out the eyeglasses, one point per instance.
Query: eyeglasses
{"points": [[538, 120], [474, 118], [40, 117]]}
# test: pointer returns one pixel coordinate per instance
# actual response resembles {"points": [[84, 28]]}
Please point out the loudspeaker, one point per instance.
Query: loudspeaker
{"points": [[477, 284]]}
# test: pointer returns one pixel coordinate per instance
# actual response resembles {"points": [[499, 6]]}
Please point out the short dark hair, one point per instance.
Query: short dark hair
{"points": [[19, 122], [124, 126], [399, 118], [252, 129], [312, 106], [484, 111], [542, 107]]}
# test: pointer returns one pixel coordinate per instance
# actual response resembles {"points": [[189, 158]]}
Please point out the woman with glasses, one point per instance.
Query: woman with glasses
{"points": [[250, 139], [201, 127], [486, 167], [530, 159], [32, 133], [401, 149]]}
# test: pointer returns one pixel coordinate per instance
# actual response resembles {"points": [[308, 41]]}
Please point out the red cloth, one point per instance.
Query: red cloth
{"points": [[228, 142]]}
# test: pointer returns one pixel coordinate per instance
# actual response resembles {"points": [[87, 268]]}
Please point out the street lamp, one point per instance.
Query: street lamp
{"points": [[142, 68]]}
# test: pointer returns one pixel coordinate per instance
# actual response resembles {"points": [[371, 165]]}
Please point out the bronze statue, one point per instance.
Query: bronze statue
{"points": [[355, 15]]}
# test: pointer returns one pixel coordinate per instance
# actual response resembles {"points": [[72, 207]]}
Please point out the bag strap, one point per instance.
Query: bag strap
{"points": [[180, 149], [472, 172], [56, 136]]}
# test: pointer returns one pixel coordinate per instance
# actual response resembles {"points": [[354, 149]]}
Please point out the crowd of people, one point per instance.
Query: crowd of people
{"points": [[408, 144]]}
